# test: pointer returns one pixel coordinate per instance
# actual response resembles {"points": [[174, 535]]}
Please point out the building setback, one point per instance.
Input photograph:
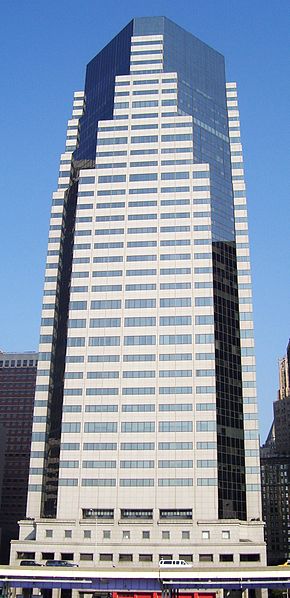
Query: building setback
{"points": [[145, 436], [17, 388]]}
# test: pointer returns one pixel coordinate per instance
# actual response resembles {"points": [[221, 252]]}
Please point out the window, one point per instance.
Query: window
{"points": [[106, 556], [98, 482], [140, 321], [226, 534], [143, 176], [137, 426], [68, 556], [175, 390], [48, 533], [100, 427], [136, 513], [100, 446], [139, 340], [175, 464], [140, 482], [128, 558], [138, 357], [140, 303], [141, 287], [185, 535], [252, 557], [175, 374], [146, 535], [68, 533], [126, 535], [145, 558], [136, 464], [86, 556], [175, 426], [98, 513], [165, 535], [87, 533], [175, 339], [175, 321], [206, 558], [226, 558], [175, 513], [188, 558], [71, 427], [106, 534], [104, 341], [137, 446], [141, 390], [144, 138], [175, 482], [141, 272]]}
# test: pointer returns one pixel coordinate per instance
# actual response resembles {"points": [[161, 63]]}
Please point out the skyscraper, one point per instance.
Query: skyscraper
{"points": [[275, 468], [145, 439]]}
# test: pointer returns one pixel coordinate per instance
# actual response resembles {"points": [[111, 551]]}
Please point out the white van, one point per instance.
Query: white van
{"points": [[170, 563]]}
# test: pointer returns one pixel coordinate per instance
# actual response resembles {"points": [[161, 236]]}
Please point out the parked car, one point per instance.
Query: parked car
{"points": [[171, 563], [29, 563], [59, 563]]}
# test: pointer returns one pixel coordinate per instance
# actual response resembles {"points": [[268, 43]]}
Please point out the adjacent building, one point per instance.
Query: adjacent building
{"points": [[145, 430], [17, 388], [275, 469]]}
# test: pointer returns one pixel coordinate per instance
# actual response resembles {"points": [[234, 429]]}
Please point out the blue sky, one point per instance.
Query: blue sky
{"points": [[45, 47]]}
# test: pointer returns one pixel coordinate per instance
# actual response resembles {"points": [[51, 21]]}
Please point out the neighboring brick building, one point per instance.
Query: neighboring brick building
{"points": [[17, 387]]}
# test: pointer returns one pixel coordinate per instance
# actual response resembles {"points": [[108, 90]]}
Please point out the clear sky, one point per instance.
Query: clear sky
{"points": [[45, 47]]}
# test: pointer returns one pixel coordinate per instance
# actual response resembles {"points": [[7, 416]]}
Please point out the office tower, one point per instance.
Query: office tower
{"points": [[17, 388], [275, 472], [145, 439], [282, 406]]}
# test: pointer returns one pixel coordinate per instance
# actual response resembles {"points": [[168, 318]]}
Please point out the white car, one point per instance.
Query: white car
{"points": [[171, 563]]}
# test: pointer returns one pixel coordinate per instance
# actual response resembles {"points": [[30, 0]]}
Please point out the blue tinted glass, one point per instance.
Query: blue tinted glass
{"points": [[201, 93]]}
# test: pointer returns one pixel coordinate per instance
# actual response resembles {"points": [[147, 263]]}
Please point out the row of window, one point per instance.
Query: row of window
{"points": [[142, 272], [140, 446], [138, 321], [134, 374], [107, 259], [145, 558], [141, 216], [111, 341], [129, 482], [138, 139], [140, 408], [132, 427], [144, 103], [139, 426], [135, 304], [131, 357], [143, 151], [141, 230], [138, 482], [144, 535], [137, 204], [135, 464], [148, 176], [164, 286]]}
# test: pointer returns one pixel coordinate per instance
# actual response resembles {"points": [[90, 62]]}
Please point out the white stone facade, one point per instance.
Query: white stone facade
{"points": [[138, 464]]}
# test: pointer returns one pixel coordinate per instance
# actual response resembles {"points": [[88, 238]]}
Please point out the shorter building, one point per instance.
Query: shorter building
{"points": [[17, 388], [275, 472]]}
